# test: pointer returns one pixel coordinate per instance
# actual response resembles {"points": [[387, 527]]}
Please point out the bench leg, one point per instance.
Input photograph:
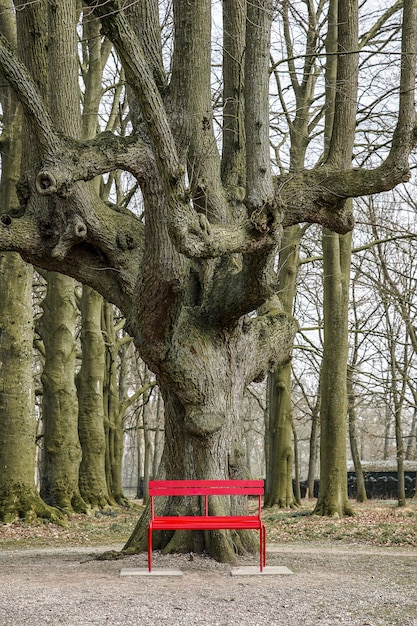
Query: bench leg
{"points": [[149, 549], [262, 547]]}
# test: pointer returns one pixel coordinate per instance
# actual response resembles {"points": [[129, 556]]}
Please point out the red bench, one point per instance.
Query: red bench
{"points": [[205, 521]]}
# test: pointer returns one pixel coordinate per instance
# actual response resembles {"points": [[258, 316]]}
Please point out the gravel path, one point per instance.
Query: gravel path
{"points": [[330, 585]]}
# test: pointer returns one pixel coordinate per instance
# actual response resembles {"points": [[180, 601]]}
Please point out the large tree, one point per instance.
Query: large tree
{"points": [[18, 494], [196, 283]]}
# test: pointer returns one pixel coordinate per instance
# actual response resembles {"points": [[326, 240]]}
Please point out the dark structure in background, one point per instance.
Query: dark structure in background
{"points": [[380, 480]]}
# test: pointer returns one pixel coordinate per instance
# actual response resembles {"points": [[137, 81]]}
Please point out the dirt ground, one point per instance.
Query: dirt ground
{"points": [[329, 585]]}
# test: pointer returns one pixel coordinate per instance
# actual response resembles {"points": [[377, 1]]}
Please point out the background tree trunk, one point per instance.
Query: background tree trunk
{"points": [[92, 475], [61, 452], [113, 416], [360, 480], [353, 400], [332, 499], [18, 494], [313, 448], [279, 468]]}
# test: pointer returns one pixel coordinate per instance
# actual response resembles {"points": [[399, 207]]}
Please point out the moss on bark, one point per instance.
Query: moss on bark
{"points": [[21, 502]]}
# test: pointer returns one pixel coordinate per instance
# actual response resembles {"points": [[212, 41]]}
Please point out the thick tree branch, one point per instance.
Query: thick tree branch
{"points": [[193, 108], [191, 232], [235, 285], [405, 135], [140, 78], [33, 105], [259, 188], [233, 147], [144, 17], [271, 337], [318, 196], [82, 238], [346, 85], [84, 160]]}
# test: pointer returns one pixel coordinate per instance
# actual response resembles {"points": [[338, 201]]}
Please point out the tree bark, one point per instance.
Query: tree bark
{"points": [[360, 480], [90, 382], [280, 471], [280, 455], [19, 496], [202, 426], [61, 451], [113, 416], [313, 448], [333, 499]]}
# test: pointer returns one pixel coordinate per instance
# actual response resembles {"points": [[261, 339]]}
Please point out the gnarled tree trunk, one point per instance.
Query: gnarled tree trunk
{"points": [[202, 426]]}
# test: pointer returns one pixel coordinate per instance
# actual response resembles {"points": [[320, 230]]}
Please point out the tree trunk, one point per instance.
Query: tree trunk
{"points": [[211, 452], [280, 454], [341, 87], [387, 433], [280, 490], [113, 417], [209, 366], [333, 498], [61, 452], [18, 494], [400, 460], [313, 448], [411, 449], [92, 475], [297, 488], [360, 480]]}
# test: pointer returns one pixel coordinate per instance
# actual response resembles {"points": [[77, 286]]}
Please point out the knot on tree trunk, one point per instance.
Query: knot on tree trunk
{"points": [[202, 423], [75, 232], [55, 178], [46, 184]]}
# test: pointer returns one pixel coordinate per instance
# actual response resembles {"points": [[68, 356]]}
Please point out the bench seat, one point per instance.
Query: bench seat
{"points": [[206, 522]]}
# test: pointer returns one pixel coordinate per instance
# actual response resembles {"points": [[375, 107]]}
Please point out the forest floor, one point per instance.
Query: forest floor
{"points": [[360, 571]]}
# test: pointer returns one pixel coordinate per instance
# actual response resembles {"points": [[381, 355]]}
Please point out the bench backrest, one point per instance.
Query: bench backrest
{"points": [[206, 488]]}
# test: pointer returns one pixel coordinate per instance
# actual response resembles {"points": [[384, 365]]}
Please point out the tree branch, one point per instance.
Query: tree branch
{"points": [[259, 188], [84, 160], [33, 105], [271, 337], [233, 155], [346, 86], [405, 134]]}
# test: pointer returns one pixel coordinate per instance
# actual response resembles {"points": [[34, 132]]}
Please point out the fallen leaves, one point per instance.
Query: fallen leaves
{"points": [[103, 527], [376, 523]]}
